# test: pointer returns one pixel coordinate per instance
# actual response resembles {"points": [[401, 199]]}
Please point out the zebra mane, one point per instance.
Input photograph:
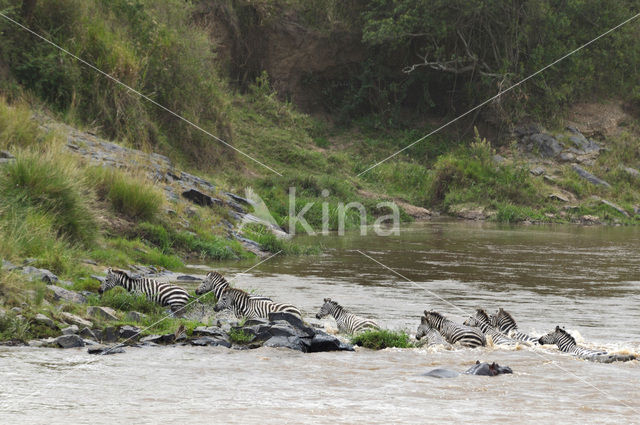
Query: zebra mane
{"points": [[215, 276], [240, 292], [435, 314], [506, 315], [335, 304], [565, 334], [119, 272], [482, 316]]}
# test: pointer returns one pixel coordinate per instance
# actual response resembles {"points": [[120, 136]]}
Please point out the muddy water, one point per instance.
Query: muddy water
{"points": [[586, 279]]}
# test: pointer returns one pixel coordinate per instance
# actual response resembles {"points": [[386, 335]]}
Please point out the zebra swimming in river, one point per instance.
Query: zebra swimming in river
{"points": [[453, 332], [164, 294], [429, 334], [244, 305], [347, 322], [482, 321], [505, 323], [567, 344]]}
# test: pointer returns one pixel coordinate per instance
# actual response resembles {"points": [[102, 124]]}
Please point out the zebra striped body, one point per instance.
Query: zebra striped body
{"points": [[244, 305], [481, 321], [453, 332], [429, 334], [567, 344], [164, 294], [347, 322], [505, 323], [216, 283]]}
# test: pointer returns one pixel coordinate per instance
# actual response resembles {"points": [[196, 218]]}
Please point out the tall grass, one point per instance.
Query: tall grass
{"points": [[128, 195]]}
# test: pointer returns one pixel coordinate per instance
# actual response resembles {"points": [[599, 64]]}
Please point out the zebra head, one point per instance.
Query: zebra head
{"points": [[555, 336], [327, 308], [503, 321], [110, 280], [226, 301], [423, 328], [211, 282], [480, 320]]}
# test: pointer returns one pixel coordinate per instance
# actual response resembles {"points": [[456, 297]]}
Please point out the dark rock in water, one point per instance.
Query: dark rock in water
{"points": [[546, 145], [71, 330], [324, 342], [589, 177], [486, 369], [109, 335], [69, 341], [290, 342], [159, 339], [104, 350], [211, 341], [128, 332], [441, 373], [65, 294], [200, 198]]}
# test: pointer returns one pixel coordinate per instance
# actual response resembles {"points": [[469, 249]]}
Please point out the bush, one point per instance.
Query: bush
{"points": [[128, 195], [379, 339], [240, 336]]}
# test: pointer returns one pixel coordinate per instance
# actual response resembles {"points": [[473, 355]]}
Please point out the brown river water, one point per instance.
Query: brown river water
{"points": [[584, 278]]}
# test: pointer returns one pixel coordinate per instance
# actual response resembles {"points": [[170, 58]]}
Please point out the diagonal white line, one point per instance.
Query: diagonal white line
{"points": [[6, 402], [502, 92], [533, 351], [137, 92]]}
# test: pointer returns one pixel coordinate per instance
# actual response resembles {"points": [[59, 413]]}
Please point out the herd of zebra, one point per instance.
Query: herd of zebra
{"points": [[500, 327]]}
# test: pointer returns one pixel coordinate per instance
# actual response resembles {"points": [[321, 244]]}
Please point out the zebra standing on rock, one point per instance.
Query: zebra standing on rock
{"points": [[505, 323], [482, 322], [453, 332], [164, 294], [567, 344], [347, 322], [244, 305]]}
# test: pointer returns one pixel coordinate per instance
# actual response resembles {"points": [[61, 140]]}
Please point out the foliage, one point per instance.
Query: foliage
{"points": [[240, 336], [383, 338], [119, 299]]}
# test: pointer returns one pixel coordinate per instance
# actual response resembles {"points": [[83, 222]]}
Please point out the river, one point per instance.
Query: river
{"points": [[584, 278]]}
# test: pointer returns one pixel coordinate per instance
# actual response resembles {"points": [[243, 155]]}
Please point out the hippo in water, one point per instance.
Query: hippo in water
{"points": [[484, 369]]}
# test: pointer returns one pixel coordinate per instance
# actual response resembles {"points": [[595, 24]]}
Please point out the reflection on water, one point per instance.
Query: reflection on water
{"points": [[586, 279]]}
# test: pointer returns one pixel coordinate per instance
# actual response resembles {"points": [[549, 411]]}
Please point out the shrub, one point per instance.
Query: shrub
{"points": [[383, 338], [240, 336]]}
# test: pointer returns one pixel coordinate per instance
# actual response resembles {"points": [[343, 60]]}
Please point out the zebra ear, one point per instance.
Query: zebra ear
{"points": [[423, 320], [426, 312], [327, 300], [557, 328], [109, 270]]}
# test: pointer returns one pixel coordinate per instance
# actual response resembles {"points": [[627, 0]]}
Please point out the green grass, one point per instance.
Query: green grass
{"points": [[383, 338], [240, 336], [120, 299]]}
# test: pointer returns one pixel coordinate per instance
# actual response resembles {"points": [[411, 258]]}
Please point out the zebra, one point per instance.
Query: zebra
{"points": [[453, 332], [505, 323], [244, 305], [567, 344], [430, 335], [165, 294], [347, 322], [482, 322], [216, 283]]}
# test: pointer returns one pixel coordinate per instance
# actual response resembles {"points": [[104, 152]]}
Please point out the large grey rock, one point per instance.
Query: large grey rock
{"points": [[324, 342], [135, 316], [546, 145], [589, 177], [35, 273], [200, 198], [72, 319], [69, 341], [290, 342], [614, 206], [583, 144], [71, 330], [41, 318], [105, 313], [60, 293], [128, 332], [211, 341], [87, 333], [109, 334]]}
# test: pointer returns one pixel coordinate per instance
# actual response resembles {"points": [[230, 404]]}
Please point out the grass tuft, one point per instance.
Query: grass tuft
{"points": [[383, 338]]}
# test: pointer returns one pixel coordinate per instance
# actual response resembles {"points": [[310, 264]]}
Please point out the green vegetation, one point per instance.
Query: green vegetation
{"points": [[383, 338], [120, 299], [240, 336]]}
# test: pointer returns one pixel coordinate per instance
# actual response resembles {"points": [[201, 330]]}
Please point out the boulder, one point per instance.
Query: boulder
{"points": [[40, 274], [60, 293], [589, 177], [211, 341], [200, 198], [69, 341], [290, 342], [134, 316], [105, 313], [615, 207], [159, 339], [109, 334], [87, 333], [72, 319], [322, 341], [128, 332], [41, 318], [103, 349], [71, 330], [546, 145]]}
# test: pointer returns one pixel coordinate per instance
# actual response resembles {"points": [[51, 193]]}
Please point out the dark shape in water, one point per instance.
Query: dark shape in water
{"points": [[483, 369]]}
